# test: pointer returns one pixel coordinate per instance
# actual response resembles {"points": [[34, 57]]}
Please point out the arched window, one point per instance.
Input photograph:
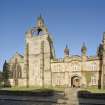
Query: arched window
{"points": [[16, 71], [19, 71]]}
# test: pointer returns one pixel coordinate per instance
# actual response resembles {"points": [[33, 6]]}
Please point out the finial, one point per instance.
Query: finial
{"points": [[5, 62], [83, 49], [66, 51], [100, 50]]}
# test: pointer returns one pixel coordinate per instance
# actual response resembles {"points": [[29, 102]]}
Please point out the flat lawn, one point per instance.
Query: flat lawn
{"points": [[35, 89], [94, 90], [39, 89]]}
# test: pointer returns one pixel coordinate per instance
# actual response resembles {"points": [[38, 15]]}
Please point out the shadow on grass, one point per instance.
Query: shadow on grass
{"points": [[44, 97], [85, 97], [36, 92]]}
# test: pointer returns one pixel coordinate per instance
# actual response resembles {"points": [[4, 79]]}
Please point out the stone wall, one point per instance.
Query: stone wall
{"points": [[63, 71]]}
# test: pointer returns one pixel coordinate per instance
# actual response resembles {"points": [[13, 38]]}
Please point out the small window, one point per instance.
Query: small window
{"points": [[93, 67], [75, 67], [93, 80]]}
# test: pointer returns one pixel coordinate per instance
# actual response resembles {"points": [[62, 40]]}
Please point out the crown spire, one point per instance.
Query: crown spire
{"points": [[40, 21]]}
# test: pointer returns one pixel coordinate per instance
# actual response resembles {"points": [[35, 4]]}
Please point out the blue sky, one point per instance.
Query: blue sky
{"points": [[70, 22]]}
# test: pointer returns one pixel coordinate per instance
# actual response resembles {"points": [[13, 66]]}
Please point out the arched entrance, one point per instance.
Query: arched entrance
{"points": [[75, 81]]}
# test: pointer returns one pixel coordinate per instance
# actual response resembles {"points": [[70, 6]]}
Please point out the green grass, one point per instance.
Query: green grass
{"points": [[36, 89], [94, 90]]}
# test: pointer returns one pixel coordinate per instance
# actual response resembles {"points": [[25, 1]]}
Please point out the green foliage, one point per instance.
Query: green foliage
{"points": [[5, 71], [6, 74]]}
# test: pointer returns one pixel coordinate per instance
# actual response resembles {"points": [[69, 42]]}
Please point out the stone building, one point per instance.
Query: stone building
{"points": [[39, 66]]}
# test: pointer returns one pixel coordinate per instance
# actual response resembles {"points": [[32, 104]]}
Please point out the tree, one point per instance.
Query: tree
{"points": [[5, 73]]}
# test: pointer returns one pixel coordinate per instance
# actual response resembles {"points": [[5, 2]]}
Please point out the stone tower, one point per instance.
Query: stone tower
{"points": [[38, 54]]}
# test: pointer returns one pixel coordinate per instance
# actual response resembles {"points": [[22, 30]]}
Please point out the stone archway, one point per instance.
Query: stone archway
{"points": [[75, 81]]}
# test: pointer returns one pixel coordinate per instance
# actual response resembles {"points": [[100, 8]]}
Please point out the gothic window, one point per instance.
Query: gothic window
{"points": [[19, 71], [13, 71], [16, 71], [93, 80]]}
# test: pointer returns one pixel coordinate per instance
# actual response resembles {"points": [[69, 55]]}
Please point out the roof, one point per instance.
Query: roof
{"points": [[16, 56]]}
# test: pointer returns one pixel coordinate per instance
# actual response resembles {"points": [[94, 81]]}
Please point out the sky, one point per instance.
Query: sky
{"points": [[70, 22]]}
